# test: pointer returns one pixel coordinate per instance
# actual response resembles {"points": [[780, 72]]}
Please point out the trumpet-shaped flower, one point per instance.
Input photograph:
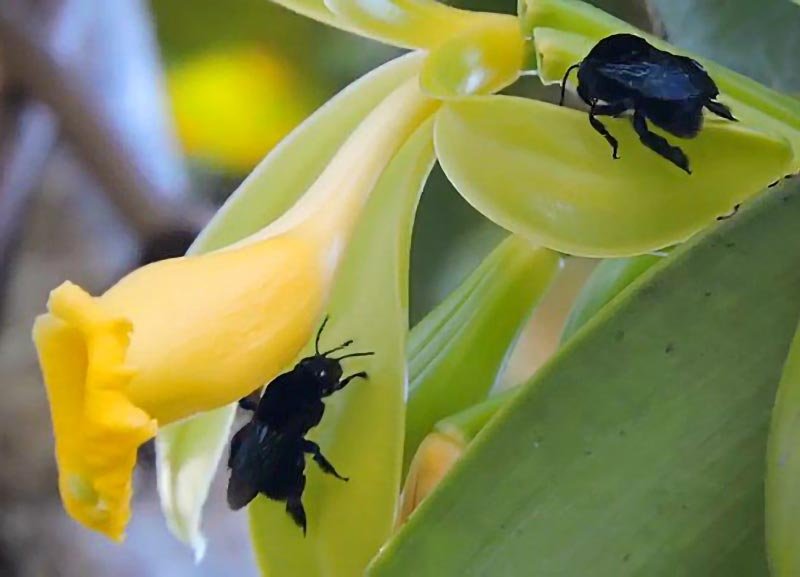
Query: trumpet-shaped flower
{"points": [[191, 334]]}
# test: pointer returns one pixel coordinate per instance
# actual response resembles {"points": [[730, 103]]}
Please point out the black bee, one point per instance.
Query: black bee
{"points": [[267, 455], [623, 72]]}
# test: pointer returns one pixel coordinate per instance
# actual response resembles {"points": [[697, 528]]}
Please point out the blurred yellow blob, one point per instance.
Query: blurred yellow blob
{"points": [[232, 106]]}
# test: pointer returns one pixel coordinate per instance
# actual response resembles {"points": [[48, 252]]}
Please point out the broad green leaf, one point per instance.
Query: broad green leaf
{"points": [[189, 452], [406, 23], [540, 171], [758, 39], [457, 352], [483, 60], [783, 472], [362, 430], [565, 30], [639, 449], [607, 280]]}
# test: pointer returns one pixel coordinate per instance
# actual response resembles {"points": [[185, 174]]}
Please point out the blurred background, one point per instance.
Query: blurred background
{"points": [[123, 124]]}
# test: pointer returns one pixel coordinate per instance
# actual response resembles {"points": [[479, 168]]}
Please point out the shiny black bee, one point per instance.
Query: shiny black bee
{"points": [[267, 455], [623, 72]]}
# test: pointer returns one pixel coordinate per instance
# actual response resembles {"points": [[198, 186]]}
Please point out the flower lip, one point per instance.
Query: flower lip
{"points": [[81, 350]]}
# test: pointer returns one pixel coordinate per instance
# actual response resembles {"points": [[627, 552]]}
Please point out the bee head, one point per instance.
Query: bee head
{"points": [[326, 370]]}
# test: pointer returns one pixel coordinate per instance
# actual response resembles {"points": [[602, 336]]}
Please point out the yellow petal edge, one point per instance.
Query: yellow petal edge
{"points": [[82, 349]]}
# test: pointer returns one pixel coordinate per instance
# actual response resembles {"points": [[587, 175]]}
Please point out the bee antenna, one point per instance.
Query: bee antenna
{"points": [[564, 82], [319, 333], [344, 345], [367, 354]]}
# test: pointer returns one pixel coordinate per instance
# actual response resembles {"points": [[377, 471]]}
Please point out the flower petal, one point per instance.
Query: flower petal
{"points": [[482, 60], [208, 329], [540, 170], [362, 430], [406, 23], [189, 452], [403, 23]]}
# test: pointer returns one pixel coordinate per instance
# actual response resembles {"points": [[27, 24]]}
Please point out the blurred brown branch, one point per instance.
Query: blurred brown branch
{"points": [[90, 73], [29, 139], [83, 121]]}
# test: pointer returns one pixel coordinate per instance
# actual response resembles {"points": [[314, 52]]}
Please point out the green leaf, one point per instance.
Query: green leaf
{"points": [[783, 472], [607, 280], [639, 449], [483, 60], [758, 39], [362, 432], [189, 452], [457, 352], [540, 171]]}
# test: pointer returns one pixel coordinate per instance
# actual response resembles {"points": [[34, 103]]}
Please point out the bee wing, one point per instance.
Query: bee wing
{"points": [[251, 453], [659, 80]]}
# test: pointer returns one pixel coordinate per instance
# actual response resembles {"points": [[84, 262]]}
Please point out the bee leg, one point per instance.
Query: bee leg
{"points": [[294, 505], [345, 381], [250, 402], [603, 131], [313, 449], [659, 144], [719, 109]]}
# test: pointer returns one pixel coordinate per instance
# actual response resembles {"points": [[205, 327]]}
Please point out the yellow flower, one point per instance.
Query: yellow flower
{"points": [[195, 333], [169, 340]]}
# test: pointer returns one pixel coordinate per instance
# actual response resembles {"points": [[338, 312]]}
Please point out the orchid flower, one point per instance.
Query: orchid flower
{"points": [[323, 225]]}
